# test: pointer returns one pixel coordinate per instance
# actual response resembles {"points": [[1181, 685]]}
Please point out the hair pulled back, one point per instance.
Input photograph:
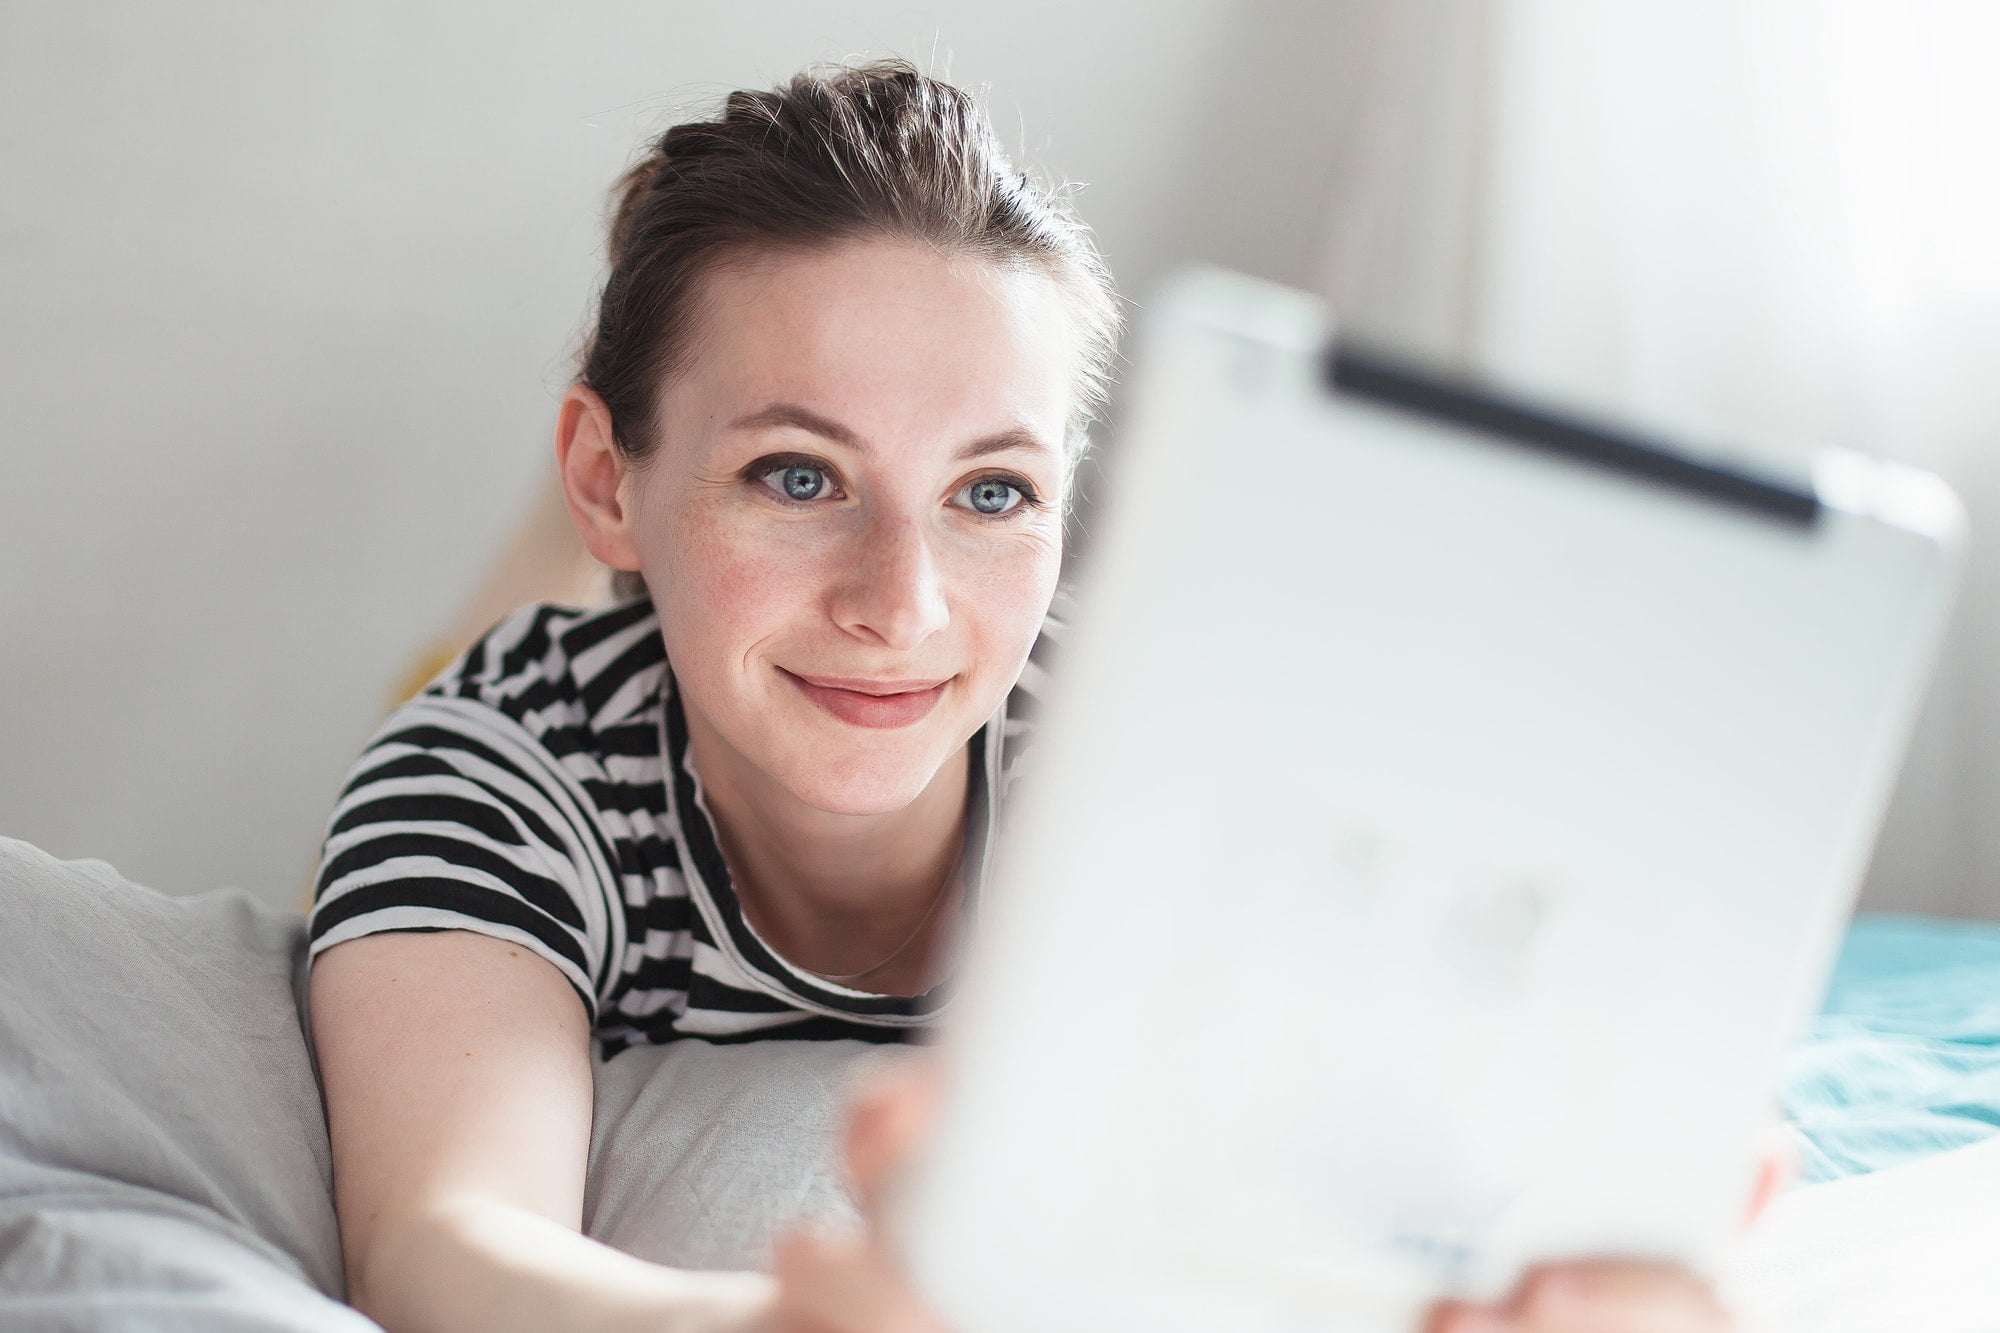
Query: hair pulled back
{"points": [[840, 153]]}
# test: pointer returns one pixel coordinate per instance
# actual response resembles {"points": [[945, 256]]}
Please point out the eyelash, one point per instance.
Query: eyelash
{"points": [[756, 472]]}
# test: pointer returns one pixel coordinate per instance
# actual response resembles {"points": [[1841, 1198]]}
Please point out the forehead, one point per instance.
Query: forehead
{"points": [[894, 340]]}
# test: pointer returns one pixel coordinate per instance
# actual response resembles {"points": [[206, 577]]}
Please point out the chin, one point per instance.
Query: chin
{"points": [[863, 784]]}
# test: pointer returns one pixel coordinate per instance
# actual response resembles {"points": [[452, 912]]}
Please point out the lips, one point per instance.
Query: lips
{"points": [[862, 702]]}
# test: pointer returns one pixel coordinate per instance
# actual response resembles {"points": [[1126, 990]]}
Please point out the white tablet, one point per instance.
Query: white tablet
{"points": [[1444, 815]]}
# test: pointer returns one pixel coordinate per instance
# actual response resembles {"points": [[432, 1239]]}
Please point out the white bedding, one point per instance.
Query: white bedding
{"points": [[1913, 1249]]}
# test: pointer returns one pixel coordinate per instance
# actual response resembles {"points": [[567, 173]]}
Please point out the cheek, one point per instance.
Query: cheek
{"points": [[725, 587], [1004, 593]]}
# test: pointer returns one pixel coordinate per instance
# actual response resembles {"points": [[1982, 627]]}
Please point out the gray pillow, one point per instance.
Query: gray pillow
{"points": [[700, 1153], [163, 1147]]}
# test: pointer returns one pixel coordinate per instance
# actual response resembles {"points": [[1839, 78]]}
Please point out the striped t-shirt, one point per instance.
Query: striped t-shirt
{"points": [[540, 791]]}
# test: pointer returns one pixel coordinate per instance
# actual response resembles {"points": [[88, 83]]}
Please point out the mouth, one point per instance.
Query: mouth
{"points": [[862, 702]]}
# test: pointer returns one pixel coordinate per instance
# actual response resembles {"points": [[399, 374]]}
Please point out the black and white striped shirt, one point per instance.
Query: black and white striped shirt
{"points": [[539, 791]]}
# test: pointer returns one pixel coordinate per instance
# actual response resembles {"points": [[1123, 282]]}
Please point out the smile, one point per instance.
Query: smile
{"points": [[871, 703]]}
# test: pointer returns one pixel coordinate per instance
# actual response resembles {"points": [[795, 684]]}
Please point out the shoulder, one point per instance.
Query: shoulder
{"points": [[558, 668], [478, 805], [551, 718]]}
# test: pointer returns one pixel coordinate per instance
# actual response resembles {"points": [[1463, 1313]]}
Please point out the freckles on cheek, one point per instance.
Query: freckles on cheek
{"points": [[737, 593], [1009, 593], [745, 586]]}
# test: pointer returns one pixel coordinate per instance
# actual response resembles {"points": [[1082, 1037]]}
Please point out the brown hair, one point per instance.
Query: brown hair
{"points": [[874, 151]]}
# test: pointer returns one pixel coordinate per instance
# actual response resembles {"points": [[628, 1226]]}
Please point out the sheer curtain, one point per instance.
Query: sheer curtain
{"points": [[1746, 220]]}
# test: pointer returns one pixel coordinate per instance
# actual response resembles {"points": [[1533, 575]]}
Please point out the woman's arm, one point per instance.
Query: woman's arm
{"points": [[458, 1089]]}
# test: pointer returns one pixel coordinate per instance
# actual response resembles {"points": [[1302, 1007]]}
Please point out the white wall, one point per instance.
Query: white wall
{"points": [[1753, 220], [291, 292], [290, 296], [1731, 220]]}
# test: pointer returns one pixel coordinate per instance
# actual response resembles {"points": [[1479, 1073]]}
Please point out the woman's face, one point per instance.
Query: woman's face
{"points": [[851, 522]]}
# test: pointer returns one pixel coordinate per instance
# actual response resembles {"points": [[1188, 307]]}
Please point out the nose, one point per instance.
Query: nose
{"points": [[893, 593]]}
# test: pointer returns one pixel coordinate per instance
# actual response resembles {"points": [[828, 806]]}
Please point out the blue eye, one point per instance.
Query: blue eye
{"points": [[798, 481], [993, 496]]}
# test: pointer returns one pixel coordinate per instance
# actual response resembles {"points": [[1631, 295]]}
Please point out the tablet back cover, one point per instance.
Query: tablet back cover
{"points": [[1438, 827]]}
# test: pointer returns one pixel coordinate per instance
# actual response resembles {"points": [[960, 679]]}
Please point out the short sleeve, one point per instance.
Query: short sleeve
{"points": [[456, 818]]}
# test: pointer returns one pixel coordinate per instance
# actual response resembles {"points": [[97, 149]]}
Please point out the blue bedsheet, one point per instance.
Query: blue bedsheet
{"points": [[1904, 1058]]}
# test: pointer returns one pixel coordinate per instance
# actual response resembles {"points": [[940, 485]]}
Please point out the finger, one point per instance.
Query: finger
{"points": [[1775, 1174], [1615, 1296], [1460, 1317], [814, 1287], [891, 1111], [831, 1283]]}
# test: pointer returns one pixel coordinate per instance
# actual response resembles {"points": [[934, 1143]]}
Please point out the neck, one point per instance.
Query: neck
{"points": [[836, 893]]}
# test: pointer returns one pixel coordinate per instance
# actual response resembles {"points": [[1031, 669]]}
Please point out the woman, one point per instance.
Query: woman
{"points": [[825, 427]]}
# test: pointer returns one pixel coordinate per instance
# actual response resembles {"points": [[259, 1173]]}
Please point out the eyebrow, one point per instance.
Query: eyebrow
{"points": [[798, 418]]}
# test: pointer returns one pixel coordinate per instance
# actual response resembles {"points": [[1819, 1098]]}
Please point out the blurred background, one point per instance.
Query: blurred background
{"points": [[291, 293]]}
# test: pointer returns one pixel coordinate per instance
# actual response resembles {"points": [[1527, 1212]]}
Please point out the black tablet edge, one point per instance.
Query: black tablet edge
{"points": [[1367, 375]]}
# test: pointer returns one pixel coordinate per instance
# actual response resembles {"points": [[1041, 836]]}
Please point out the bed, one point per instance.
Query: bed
{"points": [[164, 1162]]}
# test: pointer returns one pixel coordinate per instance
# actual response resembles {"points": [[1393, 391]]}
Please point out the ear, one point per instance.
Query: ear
{"points": [[593, 474]]}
